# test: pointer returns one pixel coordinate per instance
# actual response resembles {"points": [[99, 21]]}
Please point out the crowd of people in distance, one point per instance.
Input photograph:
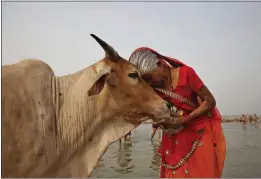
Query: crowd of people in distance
{"points": [[243, 119]]}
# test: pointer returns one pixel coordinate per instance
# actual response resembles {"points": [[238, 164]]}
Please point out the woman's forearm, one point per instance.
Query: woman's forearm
{"points": [[208, 103], [204, 108]]}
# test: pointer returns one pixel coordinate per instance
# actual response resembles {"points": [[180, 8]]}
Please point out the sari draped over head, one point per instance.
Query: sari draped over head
{"points": [[146, 59], [199, 149]]}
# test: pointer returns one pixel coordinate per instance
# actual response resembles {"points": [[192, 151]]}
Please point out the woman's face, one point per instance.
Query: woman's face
{"points": [[156, 77]]}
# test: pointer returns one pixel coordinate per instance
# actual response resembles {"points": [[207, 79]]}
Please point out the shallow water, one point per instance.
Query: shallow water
{"points": [[137, 157]]}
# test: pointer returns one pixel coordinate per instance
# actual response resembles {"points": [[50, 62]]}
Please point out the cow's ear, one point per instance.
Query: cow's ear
{"points": [[103, 75]]}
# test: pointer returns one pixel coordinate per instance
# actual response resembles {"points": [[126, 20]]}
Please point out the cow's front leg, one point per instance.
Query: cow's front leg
{"points": [[79, 168]]}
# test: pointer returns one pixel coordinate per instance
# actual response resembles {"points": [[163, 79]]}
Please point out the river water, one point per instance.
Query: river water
{"points": [[136, 158]]}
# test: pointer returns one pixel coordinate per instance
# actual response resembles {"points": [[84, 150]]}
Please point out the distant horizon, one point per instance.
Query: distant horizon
{"points": [[220, 40], [259, 115]]}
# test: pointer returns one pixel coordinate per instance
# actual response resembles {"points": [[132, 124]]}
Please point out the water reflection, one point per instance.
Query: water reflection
{"points": [[124, 158], [244, 125], [155, 160]]}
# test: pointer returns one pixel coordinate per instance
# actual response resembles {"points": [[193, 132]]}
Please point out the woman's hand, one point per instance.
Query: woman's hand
{"points": [[172, 125], [172, 121]]}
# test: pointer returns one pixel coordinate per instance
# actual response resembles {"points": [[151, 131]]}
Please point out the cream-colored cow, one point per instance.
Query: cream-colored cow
{"points": [[60, 126]]}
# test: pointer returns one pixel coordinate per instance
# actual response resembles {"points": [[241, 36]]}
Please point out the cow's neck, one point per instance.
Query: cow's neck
{"points": [[106, 133], [79, 126], [63, 84], [77, 114], [69, 108]]}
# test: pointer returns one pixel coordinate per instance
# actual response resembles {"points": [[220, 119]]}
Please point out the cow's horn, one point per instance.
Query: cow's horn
{"points": [[109, 51]]}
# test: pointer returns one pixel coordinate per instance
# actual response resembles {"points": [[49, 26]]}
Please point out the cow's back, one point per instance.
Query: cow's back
{"points": [[28, 117]]}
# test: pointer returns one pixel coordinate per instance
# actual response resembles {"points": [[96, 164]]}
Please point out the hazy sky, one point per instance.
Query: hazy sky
{"points": [[221, 41]]}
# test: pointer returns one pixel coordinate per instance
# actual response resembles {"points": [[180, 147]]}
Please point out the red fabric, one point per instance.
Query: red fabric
{"points": [[170, 58], [194, 81], [207, 161], [179, 145], [175, 60], [188, 84]]}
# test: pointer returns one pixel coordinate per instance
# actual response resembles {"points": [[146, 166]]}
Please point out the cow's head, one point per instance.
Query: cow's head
{"points": [[130, 97], [103, 103]]}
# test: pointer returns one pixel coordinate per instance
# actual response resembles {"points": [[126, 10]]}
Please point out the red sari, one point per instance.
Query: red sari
{"points": [[199, 150]]}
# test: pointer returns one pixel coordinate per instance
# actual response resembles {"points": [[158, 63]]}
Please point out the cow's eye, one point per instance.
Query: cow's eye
{"points": [[133, 75]]}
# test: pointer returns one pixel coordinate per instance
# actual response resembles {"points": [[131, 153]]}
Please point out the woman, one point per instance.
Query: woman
{"points": [[193, 144]]}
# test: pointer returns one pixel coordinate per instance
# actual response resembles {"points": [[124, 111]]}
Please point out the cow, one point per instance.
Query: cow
{"points": [[61, 126]]}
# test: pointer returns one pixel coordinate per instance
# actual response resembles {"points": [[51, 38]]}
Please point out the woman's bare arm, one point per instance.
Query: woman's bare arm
{"points": [[208, 103]]}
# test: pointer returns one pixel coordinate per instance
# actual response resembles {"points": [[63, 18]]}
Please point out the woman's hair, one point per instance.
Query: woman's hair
{"points": [[145, 60]]}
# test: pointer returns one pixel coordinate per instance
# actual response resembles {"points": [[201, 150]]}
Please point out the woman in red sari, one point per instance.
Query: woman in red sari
{"points": [[193, 143]]}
